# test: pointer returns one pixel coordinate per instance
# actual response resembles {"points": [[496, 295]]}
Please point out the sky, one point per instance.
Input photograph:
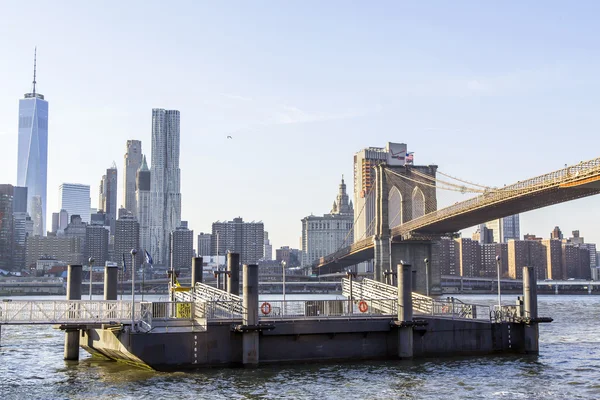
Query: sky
{"points": [[491, 92]]}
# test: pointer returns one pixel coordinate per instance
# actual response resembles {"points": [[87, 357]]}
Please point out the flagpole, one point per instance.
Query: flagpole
{"points": [[133, 253]]}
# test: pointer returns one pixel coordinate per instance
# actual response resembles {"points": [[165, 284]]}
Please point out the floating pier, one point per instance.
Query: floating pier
{"points": [[208, 327]]}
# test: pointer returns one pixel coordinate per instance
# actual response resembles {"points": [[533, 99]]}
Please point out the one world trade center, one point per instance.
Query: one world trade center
{"points": [[33, 154]]}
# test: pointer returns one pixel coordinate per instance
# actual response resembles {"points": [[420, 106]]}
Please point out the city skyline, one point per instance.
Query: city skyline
{"points": [[268, 113]]}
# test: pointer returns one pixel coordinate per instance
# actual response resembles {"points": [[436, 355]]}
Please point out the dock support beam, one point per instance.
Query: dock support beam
{"points": [[233, 276], [250, 302], [531, 330], [71, 351], [405, 310], [111, 277], [197, 271]]}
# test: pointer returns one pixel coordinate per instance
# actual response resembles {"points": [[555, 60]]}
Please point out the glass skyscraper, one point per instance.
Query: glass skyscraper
{"points": [[32, 161], [75, 199]]}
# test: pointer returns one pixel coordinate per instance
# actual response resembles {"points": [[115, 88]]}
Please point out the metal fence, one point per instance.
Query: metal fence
{"points": [[311, 309], [65, 311]]}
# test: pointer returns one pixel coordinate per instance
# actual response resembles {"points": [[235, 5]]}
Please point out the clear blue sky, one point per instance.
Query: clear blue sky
{"points": [[491, 92]]}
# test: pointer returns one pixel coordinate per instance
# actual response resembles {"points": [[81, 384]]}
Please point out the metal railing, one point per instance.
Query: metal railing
{"points": [[66, 311], [317, 309], [371, 290], [508, 313]]}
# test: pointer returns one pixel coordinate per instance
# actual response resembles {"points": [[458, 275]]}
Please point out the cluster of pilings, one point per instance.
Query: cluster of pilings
{"points": [[74, 280]]}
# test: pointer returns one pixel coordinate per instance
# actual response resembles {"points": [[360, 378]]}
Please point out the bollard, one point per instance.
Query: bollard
{"points": [[111, 277], [233, 276], [197, 271], [405, 310], [71, 351], [531, 330], [250, 303]]}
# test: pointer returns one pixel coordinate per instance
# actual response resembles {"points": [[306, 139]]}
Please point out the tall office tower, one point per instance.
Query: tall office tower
{"points": [[504, 229], [108, 196], [166, 196], [63, 221], [143, 206], [54, 223], [19, 199], [96, 244], [76, 228], [553, 252], [75, 198], [531, 253], [37, 215], [133, 162], [556, 233], [22, 229], [6, 227], [443, 257], [204, 244], [468, 257], [32, 164], [237, 236], [182, 247], [268, 250], [127, 237], [323, 235]]}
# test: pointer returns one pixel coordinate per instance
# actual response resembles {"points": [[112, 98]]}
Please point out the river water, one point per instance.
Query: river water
{"points": [[568, 367]]}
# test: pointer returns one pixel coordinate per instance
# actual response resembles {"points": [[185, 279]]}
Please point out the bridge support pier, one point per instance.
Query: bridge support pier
{"points": [[71, 351], [197, 271], [555, 289], [250, 319], [405, 311], [415, 253], [531, 330], [233, 276], [381, 260]]}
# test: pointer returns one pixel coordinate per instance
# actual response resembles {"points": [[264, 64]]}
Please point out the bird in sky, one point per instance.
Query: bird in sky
{"points": [[229, 137]]}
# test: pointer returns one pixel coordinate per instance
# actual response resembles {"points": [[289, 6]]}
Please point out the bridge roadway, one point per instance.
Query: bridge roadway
{"points": [[516, 282], [556, 187]]}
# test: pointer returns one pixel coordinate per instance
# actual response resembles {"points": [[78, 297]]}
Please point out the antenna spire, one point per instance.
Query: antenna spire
{"points": [[34, 68]]}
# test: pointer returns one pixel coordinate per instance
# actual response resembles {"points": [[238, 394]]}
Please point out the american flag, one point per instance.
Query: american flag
{"points": [[409, 158]]}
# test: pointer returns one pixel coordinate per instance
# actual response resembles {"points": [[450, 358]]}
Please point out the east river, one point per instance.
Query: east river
{"points": [[568, 367]]}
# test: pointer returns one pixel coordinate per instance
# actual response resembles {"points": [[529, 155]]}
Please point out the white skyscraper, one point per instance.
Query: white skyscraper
{"points": [[143, 197], [32, 162], [133, 161], [75, 199], [165, 188]]}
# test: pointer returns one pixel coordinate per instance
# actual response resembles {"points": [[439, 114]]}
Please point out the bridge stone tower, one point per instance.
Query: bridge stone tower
{"points": [[403, 193]]}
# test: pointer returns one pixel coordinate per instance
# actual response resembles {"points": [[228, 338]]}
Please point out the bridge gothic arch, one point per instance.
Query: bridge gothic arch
{"points": [[395, 207], [418, 203]]}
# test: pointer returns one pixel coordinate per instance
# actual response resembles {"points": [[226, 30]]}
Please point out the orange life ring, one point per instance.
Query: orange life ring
{"points": [[445, 308], [265, 308], [362, 306]]}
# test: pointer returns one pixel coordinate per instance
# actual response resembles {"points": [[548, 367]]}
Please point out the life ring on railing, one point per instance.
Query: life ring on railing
{"points": [[265, 308], [362, 306], [445, 309]]}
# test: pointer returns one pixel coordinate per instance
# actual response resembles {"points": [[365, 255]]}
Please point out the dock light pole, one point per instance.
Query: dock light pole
{"points": [[426, 277], [91, 264], [133, 253], [499, 295], [283, 272]]}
